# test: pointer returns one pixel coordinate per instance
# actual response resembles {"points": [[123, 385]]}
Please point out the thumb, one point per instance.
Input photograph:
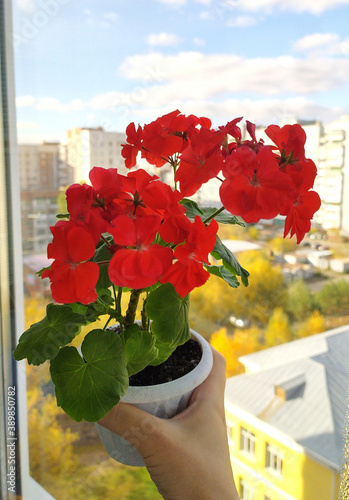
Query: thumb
{"points": [[133, 424]]}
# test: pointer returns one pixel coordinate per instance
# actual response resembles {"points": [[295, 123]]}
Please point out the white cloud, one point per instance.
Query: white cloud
{"points": [[53, 104], [241, 21], [27, 125], [111, 16], [315, 7], [193, 73], [259, 111], [199, 42], [26, 5], [25, 100], [163, 39], [173, 3], [322, 44]]}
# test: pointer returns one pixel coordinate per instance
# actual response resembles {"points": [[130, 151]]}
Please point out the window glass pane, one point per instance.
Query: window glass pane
{"points": [[84, 70]]}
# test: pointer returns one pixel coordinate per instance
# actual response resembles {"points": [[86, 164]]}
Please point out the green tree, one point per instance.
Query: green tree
{"points": [[300, 300], [278, 330], [333, 298]]}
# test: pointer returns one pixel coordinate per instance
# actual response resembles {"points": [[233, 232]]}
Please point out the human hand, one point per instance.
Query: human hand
{"points": [[187, 456]]}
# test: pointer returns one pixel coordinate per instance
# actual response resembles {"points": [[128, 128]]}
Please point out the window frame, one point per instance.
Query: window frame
{"points": [[246, 490], [273, 453], [247, 442], [12, 374]]}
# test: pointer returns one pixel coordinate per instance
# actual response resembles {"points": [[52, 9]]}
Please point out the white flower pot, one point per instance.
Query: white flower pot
{"points": [[163, 400]]}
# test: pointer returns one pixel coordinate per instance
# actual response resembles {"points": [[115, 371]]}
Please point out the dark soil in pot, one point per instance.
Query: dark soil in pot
{"points": [[182, 361]]}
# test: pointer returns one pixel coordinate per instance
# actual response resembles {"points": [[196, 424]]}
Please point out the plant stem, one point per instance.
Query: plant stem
{"points": [[214, 215], [132, 307], [107, 323], [118, 299], [106, 241]]}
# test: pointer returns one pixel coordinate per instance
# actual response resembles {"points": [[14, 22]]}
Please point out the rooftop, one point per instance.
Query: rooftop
{"points": [[308, 379]]}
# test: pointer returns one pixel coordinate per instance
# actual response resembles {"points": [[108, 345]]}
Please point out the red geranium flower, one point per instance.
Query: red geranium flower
{"points": [[300, 213], [106, 182], [289, 138], [130, 150], [143, 262], [80, 201], [200, 161], [163, 138], [188, 272], [73, 279], [254, 188]]}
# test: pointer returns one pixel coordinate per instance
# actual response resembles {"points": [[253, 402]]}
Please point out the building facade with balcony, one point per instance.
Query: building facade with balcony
{"points": [[286, 418]]}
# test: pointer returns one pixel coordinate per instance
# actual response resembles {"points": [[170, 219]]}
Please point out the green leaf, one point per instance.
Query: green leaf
{"points": [[164, 352], [221, 252], [140, 350], [192, 207], [39, 273], [43, 340], [93, 311], [223, 217], [102, 254], [170, 315], [62, 216], [225, 274], [89, 387]]}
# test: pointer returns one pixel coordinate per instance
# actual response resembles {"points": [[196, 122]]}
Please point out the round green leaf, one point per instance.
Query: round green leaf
{"points": [[43, 340], [89, 387]]}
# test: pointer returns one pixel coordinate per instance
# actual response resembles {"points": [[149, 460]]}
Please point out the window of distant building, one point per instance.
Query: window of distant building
{"points": [[273, 459], [247, 441], [230, 433], [246, 490]]}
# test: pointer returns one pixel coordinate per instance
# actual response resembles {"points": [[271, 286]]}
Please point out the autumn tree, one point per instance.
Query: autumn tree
{"points": [[278, 330], [280, 245], [333, 298], [300, 301], [232, 347], [216, 301], [314, 324]]}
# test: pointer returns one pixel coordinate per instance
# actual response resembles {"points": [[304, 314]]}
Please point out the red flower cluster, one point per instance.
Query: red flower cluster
{"points": [[260, 181], [142, 220]]}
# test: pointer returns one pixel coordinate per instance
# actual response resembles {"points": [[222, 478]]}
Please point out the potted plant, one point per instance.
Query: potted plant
{"points": [[144, 236]]}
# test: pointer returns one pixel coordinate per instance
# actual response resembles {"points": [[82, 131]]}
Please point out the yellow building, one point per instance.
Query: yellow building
{"points": [[286, 419]]}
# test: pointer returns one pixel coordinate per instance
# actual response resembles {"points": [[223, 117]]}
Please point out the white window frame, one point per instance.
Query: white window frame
{"points": [[247, 442], [273, 460], [246, 490], [12, 374], [230, 432]]}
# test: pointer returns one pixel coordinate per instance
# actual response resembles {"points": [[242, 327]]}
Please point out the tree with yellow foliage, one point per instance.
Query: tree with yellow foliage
{"points": [[278, 330], [216, 302], [314, 324], [233, 346]]}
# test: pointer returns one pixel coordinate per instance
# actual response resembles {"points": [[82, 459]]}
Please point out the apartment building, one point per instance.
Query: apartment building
{"points": [[42, 174], [85, 148], [286, 419]]}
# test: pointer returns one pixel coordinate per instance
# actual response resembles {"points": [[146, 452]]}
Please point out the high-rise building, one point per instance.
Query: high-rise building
{"points": [[42, 174], [85, 148]]}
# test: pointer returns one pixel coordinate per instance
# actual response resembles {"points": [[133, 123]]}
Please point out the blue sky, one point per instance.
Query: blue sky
{"points": [[107, 63]]}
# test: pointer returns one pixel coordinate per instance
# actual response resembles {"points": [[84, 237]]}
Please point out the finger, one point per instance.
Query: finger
{"points": [[213, 387]]}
